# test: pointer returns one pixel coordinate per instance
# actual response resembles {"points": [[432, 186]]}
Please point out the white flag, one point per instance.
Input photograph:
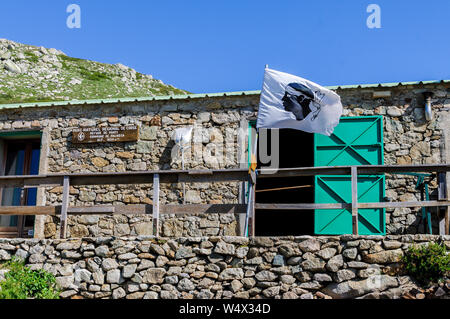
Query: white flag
{"points": [[289, 101]]}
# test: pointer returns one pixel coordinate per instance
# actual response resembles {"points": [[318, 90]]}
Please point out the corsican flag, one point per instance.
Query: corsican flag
{"points": [[289, 101]]}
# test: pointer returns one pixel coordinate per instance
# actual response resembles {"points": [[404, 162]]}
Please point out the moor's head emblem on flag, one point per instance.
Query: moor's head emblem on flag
{"points": [[301, 100]]}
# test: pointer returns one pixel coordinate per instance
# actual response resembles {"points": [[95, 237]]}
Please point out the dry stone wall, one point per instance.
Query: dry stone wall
{"points": [[224, 267], [408, 138]]}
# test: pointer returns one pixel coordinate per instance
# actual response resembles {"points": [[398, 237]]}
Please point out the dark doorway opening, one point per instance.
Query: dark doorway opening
{"points": [[296, 149]]}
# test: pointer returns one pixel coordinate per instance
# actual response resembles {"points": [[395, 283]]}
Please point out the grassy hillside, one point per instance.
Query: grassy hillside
{"points": [[37, 74]]}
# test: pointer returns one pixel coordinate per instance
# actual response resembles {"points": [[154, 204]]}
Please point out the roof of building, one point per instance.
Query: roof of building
{"points": [[201, 95]]}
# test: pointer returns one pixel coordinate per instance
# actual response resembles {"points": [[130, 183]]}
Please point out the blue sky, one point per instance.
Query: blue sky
{"points": [[215, 46]]}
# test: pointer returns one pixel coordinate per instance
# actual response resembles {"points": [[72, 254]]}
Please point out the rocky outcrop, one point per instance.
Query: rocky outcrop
{"points": [[49, 74]]}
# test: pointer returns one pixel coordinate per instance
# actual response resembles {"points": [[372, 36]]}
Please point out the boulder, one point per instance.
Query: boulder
{"points": [[313, 264], [11, 67], [231, 274], [271, 292], [352, 289], [185, 285], [154, 276], [384, 257], [224, 248], [309, 245], [327, 253], [335, 263], [266, 275]]}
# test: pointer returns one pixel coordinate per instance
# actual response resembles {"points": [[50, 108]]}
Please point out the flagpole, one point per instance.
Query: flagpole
{"points": [[251, 193]]}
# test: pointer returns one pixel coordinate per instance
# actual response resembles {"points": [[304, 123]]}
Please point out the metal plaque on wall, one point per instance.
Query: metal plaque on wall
{"points": [[126, 133]]}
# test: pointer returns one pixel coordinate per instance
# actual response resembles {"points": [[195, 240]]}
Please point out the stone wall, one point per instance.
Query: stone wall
{"points": [[408, 138], [218, 122], [226, 267]]}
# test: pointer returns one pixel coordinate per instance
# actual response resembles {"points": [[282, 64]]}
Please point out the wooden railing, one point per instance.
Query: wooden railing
{"points": [[230, 175], [440, 170]]}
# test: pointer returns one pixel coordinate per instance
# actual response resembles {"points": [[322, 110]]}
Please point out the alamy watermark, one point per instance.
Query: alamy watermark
{"points": [[374, 19], [74, 19], [228, 147]]}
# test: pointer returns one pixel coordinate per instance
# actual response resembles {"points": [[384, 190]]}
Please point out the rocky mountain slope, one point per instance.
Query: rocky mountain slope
{"points": [[37, 74]]}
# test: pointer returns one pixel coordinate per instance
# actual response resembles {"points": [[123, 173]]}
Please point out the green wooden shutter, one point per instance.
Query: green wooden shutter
{"points": [[355, 141]]}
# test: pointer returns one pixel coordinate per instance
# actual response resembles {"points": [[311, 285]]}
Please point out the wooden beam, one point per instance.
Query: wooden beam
{"points": [[447, 209], [252, 177], [430, 203], [64, 206], [354, 180], [111, 209], [300, 206], [308, 206], [90, 210], [303, 171], [242, 198], [126, 209], [216, 176], [166, 176], [5, 233], [29, 210], [156, 205], [200, 208], [203, 209], [447, 221], [182, 209], [251, 210], [200, 172], [224, 175], [28, 181], [442, 186], [442, 195], [346, 170], [139, 177], [416, 168]]}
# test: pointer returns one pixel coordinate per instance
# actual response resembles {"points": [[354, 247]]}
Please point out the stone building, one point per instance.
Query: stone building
{"points": [[37, 138]]}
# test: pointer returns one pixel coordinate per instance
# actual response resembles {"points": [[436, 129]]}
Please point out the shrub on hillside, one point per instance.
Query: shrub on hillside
{"points": [[23, 283], [427, 263]]}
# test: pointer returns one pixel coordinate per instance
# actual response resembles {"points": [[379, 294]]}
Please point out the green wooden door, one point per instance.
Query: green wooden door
{"points": [[355, 141]]}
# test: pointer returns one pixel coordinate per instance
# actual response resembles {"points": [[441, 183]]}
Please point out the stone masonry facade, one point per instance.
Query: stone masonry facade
{"points": [[225, 267], [408, 139]]}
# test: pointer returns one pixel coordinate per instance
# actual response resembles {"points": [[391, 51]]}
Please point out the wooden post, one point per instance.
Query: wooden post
{"points": [[242, 218], [251, 211], [156, 204], [354, 200], [251, 205], [65, 205], [443, 212]]}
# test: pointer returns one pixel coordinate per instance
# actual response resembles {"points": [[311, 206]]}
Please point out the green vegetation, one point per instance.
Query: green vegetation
{"points": [[5, 97], [69, 58], [92, 75], [31, 57], [58, 78], [8, 98], [427, 263], [23, 283]]}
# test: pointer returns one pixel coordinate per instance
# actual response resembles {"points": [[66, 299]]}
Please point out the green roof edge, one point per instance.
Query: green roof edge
{"points": [[196, 96]]}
